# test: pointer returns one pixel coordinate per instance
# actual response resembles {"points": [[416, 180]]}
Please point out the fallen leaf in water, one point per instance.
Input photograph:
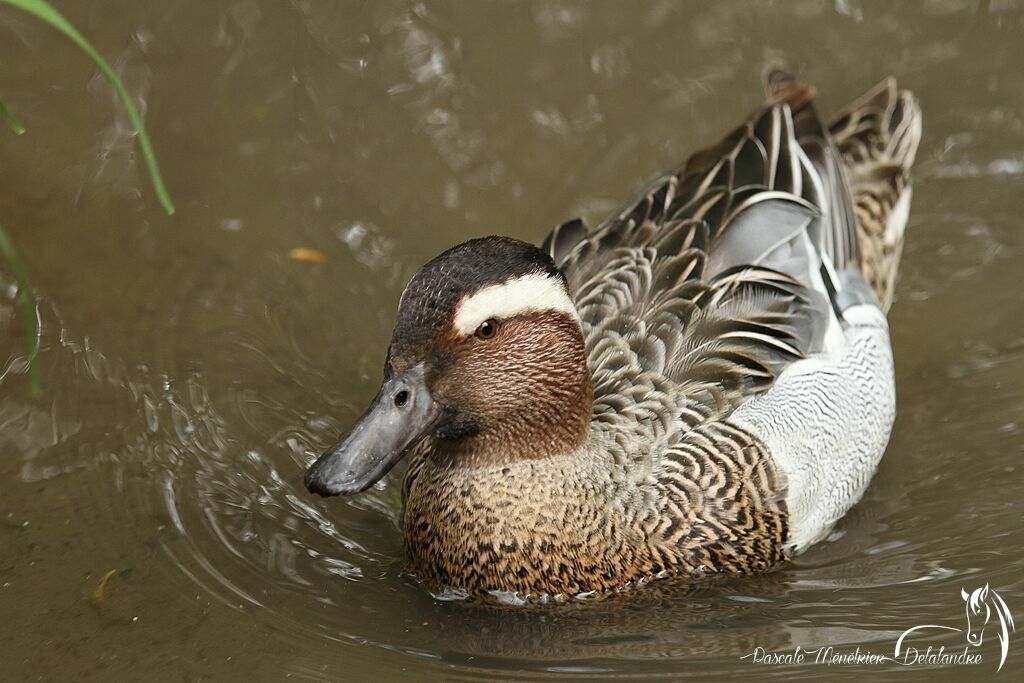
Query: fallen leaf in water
{"points": [[307, 255], [99, 597]]}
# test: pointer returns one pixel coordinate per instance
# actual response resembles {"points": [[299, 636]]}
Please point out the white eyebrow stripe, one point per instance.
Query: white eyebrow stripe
{"points": [[526, 294]]}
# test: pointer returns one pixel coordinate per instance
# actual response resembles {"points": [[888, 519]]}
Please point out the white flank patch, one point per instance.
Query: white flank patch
{"points": [[527, 294]]}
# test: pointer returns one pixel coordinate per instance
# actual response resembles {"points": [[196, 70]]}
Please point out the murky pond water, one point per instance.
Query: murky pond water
{"points": [[191, 368]]}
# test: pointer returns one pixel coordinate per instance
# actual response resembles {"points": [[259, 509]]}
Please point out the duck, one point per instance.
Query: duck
{"points": [[701, 385]]}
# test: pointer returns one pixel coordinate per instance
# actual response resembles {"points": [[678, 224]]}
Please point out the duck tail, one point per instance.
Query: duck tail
{"points": [[877, 137]]}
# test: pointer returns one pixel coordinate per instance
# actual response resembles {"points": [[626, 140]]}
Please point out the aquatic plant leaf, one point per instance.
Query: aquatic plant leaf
{"points": [[27, 309], [47, 13], [13, 122]]}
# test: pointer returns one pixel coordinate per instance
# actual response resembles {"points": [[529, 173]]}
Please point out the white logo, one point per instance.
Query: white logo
{"points": [[981, 603], [984, 608]]}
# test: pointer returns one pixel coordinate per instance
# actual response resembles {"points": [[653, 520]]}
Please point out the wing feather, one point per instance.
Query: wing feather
{"points": [[710, 278]]}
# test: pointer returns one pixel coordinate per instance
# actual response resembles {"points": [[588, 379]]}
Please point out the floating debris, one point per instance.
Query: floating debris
{"points": [[307, 255], [99, 597]]}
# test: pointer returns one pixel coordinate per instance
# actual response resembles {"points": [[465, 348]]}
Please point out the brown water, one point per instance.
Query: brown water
{"points": [[191, 368]]}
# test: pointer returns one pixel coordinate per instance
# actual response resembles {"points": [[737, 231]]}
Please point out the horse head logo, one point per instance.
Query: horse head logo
{"points": [[981, 604]]}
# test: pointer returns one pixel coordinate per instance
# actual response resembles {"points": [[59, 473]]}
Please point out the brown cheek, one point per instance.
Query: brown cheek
{"points": [[469, 383], [532, 358]]}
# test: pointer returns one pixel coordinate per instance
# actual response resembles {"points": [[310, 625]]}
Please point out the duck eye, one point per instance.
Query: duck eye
{"points": [[487, 329]]}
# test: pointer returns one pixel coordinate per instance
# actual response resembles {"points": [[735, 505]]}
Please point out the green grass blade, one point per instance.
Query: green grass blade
{"points": [[46, 12], [27, 310], [7, 116]]}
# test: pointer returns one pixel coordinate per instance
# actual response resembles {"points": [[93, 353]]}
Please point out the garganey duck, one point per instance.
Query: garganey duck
{"points": [[701, 384]]}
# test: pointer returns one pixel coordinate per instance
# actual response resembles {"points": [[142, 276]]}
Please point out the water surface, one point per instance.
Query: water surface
{"points": [[191, 368]]}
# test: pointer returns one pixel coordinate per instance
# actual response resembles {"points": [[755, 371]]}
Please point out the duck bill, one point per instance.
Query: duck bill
{"points": [[401, 415]]}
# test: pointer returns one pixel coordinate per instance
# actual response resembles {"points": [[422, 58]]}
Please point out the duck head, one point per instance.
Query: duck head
{"points": [[486, 360]]}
